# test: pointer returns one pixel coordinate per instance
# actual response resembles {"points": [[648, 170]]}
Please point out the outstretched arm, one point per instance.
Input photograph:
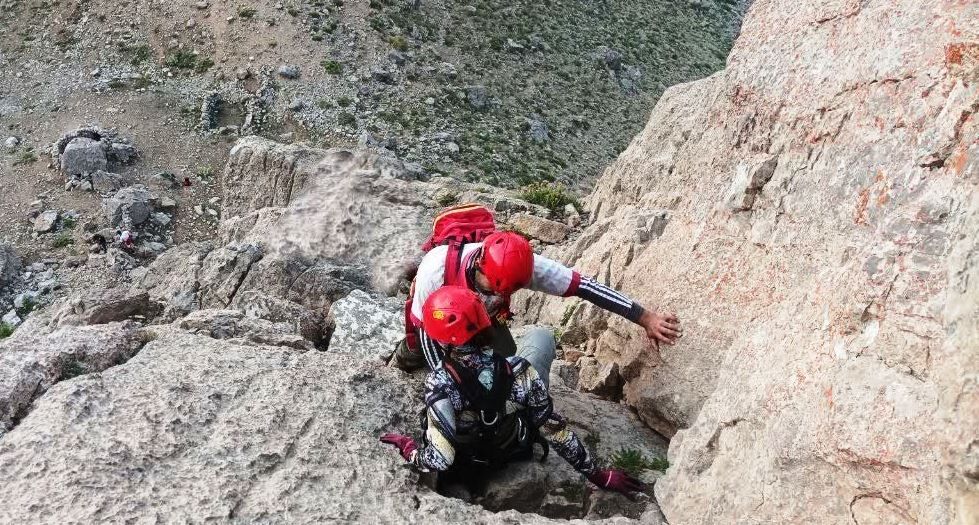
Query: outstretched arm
{"points": [[554, 278]]}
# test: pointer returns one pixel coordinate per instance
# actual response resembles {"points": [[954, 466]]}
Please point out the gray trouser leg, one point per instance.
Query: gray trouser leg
{"points": [[538, 347]]}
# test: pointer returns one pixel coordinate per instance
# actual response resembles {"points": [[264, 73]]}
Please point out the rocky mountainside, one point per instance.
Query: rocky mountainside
{"points": [[244, 379], [811, 214]]}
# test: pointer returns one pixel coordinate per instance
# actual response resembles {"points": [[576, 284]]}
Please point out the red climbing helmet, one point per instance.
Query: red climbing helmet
{"points": [[508, 262], [452, 315]]}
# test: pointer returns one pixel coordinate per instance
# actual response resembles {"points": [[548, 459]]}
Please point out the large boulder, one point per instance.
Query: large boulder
{"points": [[83, 155], [816, 235], [31, 361], [348, 207], [129, 207], [366, 326], [198, 429]]}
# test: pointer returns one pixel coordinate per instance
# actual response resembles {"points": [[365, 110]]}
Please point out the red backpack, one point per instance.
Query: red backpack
{"points": [[454, 227]]}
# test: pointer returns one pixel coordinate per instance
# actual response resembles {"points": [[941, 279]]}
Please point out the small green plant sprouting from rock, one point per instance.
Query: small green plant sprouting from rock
{"points": [[634, 462], [346, 119], [72, 368], [27, 157], [205, 172], [247, 12], [27, 307], [568, 312], [332, 67], [447, 199], [549, 195], [62, 240], [292, 11], [398, 42], [344, 101], [69, 222], [6, 330]]}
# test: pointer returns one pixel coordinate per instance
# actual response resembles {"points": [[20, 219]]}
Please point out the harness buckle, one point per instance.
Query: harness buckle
{"points": [[482, 417]]}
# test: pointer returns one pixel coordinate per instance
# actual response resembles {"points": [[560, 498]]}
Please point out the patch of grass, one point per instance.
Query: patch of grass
{"points": [[6, 330], [551, 196], [398, 42], [247, 12], [347, 119], [182, 60], [344, 101], [332, 67], [292, 11], [205, 172], [447, 199], [62, 240], [635, 463], [68, 222], [26, 157]]}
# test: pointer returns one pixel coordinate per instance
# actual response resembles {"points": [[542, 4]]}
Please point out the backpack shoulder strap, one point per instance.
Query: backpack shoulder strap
{"points": [[453, 264]]}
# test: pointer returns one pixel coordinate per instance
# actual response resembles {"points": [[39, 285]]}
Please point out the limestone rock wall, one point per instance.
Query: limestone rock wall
{"points": [[809, 212]]}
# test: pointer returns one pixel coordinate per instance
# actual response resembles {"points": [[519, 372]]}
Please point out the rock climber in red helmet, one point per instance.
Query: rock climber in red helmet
{"points": [[484, 410], [496, 268]]}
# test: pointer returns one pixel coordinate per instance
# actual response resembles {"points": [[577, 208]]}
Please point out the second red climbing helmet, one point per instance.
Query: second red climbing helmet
{"points": [[452, 315], [507, 262]]}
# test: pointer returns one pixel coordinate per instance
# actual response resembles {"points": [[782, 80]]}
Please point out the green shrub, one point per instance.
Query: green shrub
{"points": [[203, 65], [28, 307], [5, 330], [398, 42], [344, 101], [182, 60], [62, 240], [551, 196], [635, 463], [141, 53], [346, 119], [247, 12], [332, 67]]}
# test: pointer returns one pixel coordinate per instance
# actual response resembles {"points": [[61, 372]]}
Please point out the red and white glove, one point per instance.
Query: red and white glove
{"points": [[406, 446], [617, 480]]}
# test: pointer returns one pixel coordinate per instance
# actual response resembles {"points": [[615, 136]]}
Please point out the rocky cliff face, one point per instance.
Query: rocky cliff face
{"points": [[810, 213]]}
